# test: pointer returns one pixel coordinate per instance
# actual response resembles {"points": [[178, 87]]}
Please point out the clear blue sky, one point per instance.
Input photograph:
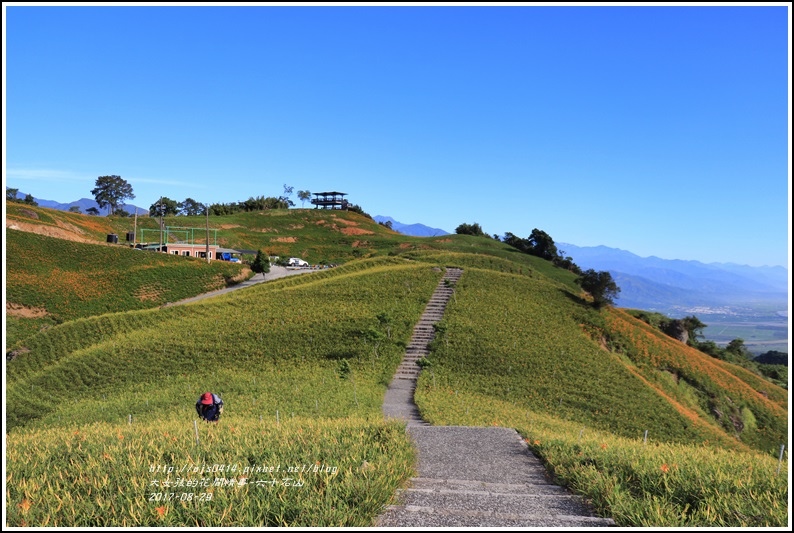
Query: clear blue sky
{"points": [[658, 130]]}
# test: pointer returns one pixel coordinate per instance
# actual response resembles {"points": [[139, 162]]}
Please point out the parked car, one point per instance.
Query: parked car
{"points": [[297, 262]]}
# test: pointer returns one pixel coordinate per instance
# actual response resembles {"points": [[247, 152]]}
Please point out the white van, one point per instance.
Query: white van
{"points": [[297, 262]]}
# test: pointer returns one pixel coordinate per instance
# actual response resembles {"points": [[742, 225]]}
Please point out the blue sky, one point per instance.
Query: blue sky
{"points": [[659, 130]]}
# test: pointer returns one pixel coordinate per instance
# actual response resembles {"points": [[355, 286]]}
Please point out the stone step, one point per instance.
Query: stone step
{"points": [[499, 503], [535, 484], [417, 516]]}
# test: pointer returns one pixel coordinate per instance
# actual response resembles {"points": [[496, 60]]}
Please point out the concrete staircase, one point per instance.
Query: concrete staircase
{"points": [[483, 477], [399, 399], [470, 476]]}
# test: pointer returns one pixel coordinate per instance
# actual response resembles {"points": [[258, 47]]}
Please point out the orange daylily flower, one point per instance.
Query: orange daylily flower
{"points": [[24, 505], [664, 468], [160, 511]]}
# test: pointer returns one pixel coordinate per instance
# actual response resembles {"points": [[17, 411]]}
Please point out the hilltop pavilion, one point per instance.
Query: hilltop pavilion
{"points": [[330, 200]]}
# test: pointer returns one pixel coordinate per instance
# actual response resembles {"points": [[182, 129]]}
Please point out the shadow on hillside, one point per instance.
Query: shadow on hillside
{"points": [[338, 355], [574, 298]]}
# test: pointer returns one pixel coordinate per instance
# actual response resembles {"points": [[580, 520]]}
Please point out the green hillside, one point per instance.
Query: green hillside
{"points": [[97, 404], [524, 340], [51, 280], [316, 235]]}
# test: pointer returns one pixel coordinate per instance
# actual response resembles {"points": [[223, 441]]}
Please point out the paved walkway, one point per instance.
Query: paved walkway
{"points": [[470, 476], [276, 272]]}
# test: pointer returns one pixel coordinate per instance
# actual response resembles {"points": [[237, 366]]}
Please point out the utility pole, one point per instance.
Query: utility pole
{"points": [[207, 251], [160, 210]]}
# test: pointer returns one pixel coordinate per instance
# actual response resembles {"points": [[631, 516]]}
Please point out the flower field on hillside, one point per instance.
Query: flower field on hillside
{"points": [[284, 328], [302, 367], [72, 280], [518, 338], [300, 472]]}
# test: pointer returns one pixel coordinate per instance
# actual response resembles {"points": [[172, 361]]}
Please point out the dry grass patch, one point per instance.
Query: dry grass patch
{"points": [[22, 311], [148, 293], [356, 231], [347, 222], [48, 231], [242, 276], [69, 227]]}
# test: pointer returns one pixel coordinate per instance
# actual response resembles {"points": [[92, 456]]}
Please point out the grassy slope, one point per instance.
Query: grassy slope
{"points": [[517, 351], [69, 280], [64, 224], [523, 339], [274, 353], [111, 475], [317, 235], [312, 322]]}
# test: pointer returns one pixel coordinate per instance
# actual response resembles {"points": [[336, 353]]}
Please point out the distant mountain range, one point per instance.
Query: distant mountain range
{"points": [[84, 204], [677, 287], [415, 230], [670, 286]]}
